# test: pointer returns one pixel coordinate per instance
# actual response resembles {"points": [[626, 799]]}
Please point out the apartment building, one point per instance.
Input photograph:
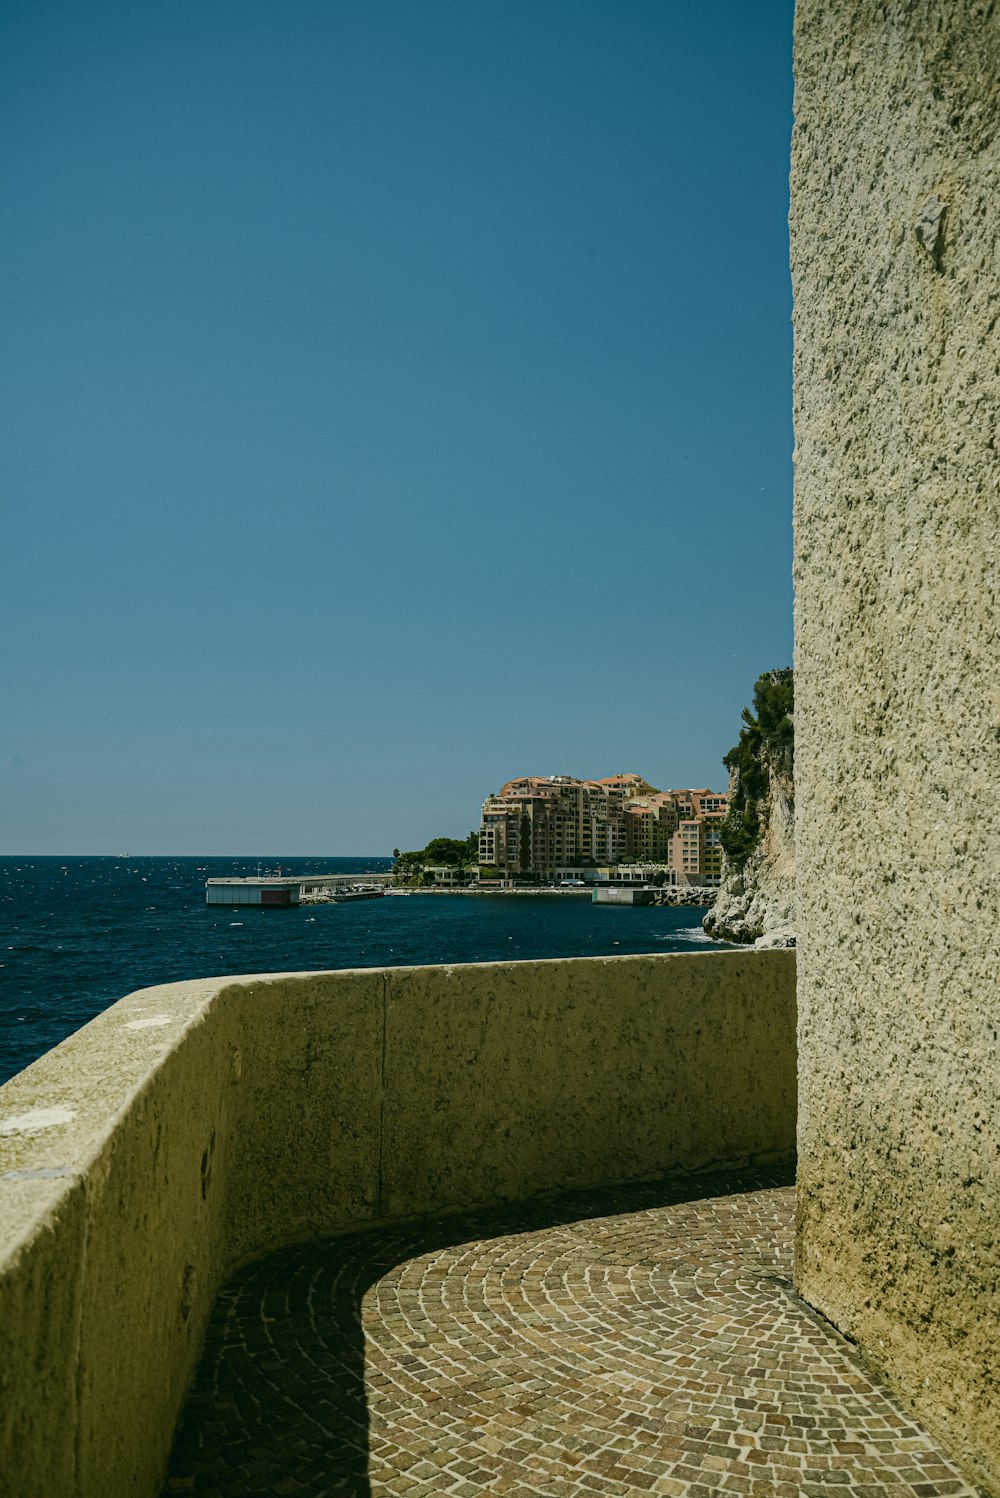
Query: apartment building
{"points": [[696, 847], [539, 825], [700, 802], [650, 823]]}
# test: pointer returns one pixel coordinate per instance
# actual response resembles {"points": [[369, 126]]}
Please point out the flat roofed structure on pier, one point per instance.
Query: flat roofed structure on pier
{"points": [[284, 889], [253, 891]]}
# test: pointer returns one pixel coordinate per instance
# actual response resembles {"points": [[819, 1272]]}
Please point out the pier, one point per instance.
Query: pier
{"points": [[282, 890]]}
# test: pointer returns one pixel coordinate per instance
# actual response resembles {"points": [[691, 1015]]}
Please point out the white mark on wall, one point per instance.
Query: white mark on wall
{"points": [[150, 1023], [36, 1119]]}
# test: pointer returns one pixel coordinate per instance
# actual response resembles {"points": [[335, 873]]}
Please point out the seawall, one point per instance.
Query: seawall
{"points": [[193, 1127]]}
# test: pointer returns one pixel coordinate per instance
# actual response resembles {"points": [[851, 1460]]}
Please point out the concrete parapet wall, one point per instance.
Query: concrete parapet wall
{"points": [[895, 185], [192, 1127]]}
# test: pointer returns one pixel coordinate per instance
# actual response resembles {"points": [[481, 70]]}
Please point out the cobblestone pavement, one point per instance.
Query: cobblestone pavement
{"points": [[613, 1343]]}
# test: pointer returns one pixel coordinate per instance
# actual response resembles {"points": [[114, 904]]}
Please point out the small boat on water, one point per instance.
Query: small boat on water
{"points": [[358, 892]]}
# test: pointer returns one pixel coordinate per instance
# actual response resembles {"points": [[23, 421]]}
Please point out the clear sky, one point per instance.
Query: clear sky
{"points": [[396, 400]]}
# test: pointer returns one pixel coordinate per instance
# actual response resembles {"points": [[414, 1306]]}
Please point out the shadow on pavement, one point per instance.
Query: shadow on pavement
{"points": [[279, 1403]]}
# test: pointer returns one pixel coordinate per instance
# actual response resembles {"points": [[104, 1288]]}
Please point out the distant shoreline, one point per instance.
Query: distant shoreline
{"points": [[429, 890], [681, 898]]}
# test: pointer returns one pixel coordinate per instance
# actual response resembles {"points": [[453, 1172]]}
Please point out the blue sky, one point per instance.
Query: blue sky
{"points": [[397, 399]]}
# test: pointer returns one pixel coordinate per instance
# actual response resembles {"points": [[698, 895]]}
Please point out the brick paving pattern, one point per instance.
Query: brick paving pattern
{"points": [[616, 1343]]}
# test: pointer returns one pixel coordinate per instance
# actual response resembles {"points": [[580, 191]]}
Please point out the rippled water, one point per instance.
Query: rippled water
{"points": [[78, 933]]}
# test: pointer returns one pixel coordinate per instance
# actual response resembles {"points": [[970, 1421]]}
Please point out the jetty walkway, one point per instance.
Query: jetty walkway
{"points": [[638, 1340]]}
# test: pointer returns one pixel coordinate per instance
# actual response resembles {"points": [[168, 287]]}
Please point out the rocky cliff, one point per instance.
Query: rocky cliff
{"points": [[756, 901]]}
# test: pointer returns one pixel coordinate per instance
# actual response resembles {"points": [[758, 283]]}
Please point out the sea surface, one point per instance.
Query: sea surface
{"points": [[76, 934]]}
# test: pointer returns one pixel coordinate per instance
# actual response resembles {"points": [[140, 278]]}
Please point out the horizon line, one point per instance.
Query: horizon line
{"points": [[197, 855]]}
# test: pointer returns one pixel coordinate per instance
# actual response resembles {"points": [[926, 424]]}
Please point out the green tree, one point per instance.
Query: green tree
{"points": [[768, 735], [445, 850], [449, 852]]}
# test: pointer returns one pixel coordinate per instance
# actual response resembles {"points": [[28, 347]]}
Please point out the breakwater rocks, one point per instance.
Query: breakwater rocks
{"points": [[532, 890], [702, 895]]}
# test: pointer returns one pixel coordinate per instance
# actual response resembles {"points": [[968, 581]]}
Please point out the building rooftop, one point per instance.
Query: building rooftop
{"points": [[272, 879]]}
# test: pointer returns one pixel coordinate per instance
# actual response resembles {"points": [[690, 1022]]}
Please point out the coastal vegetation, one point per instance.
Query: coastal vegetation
{"points": [[766, 744], [440, 852], [756, 900]]}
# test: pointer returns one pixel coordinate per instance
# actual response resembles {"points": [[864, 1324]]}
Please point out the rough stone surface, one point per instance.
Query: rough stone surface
{"points": [[140, 1163], [695, 894], [638, 1340], [503, 1088], [756, 904], [895, 192], [110, 1253]]}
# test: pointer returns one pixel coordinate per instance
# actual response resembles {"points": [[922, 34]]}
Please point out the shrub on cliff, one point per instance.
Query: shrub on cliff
{"points": [[767, 738]]}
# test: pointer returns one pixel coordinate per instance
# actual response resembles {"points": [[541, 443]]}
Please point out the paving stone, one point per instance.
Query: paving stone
{"points": [[642, 1340]]}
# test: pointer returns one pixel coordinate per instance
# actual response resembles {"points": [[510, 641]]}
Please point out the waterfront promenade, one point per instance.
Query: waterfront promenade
{"points": [[321, 1218], [639, 1340]]}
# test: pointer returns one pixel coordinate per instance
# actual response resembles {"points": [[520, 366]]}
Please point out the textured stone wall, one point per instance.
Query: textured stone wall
{"points": [[757, 902], [895, 214], [192, 1127]]}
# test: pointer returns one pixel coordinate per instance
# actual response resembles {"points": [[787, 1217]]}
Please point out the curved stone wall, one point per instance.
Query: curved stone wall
{"points": [[193, 1127]]}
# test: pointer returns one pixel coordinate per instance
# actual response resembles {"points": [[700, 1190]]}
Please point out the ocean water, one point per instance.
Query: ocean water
{"points": [[76, 934]]}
